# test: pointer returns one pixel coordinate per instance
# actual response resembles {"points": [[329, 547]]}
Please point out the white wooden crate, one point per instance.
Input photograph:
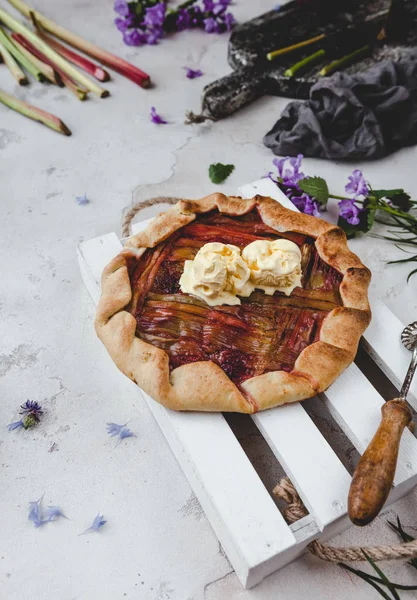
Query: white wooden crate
{"points": [[247, 522]]}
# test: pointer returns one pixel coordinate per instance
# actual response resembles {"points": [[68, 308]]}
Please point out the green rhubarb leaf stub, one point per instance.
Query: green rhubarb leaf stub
{"points": [[315, 187], [219, 172]]}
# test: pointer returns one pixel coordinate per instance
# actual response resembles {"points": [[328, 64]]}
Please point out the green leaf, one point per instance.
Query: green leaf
{"points": [[366, 578], [219, 172], [382, 575], [386, 193], [316, 187]]}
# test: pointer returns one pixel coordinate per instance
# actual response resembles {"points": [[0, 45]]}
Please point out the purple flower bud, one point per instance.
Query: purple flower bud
{"points": [[157, 119], [183, 20], [155, 15], [133, 38], [122, 8], [349, 211], [229, 21], [211, 25], [98, 522], [193, 74], [357, 185], [123, 24]]}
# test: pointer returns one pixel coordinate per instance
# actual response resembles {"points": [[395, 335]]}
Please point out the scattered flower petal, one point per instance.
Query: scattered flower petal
{"points": [[349, 211], [52, 512], [121, 431], [357, 185], [15, 425], [81, 200], [98, 522], [193, 74], [155, 118], [35, 513]]}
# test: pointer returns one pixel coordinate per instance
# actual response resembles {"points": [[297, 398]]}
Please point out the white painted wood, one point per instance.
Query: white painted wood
{"points": [[308, 460], [382, 342], [244, 517], [356, 406], [240, 510]]}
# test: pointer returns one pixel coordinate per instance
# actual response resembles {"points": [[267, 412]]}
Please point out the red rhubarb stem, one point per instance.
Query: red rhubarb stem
{"points": [[76, 59], [77, 89], [110, 60], [34, 113]]}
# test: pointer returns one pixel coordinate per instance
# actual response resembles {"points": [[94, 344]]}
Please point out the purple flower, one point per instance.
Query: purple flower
{"points": [[289, 170], [121, 431], [82, 200], [15, 425], [31, 408], [123, 24], [208, 5], [349, 211], [35, 513], [155, 118], [229, 21], [98, 522], [193, 74], [183, 20], [306, 205], [357, 185], [211, 25], [122, 8], [155, 15], [52, 512], [134, 38]]}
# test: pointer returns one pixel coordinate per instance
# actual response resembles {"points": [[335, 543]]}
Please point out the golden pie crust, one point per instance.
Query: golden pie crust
{"points": [[203, 385]]}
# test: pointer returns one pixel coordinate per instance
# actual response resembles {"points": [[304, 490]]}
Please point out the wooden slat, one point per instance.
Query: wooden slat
{"points": [[351, 399], [242, 513], [308, 460]]}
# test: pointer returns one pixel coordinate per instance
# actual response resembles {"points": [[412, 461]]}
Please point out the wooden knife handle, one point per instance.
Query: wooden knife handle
{"points": [[374, 474]]}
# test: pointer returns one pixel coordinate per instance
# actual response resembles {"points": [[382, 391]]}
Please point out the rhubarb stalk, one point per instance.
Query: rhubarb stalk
{"points": [[15, 52], [110, 60], [46, 70], [32, 112], [70, 83], [13, 67], [336, 65], [82, 62], [280, 51], [305, 63], [51, 54]]}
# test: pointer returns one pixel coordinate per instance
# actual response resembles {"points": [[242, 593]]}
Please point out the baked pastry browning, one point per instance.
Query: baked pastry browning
{"points": [[267, 351]]}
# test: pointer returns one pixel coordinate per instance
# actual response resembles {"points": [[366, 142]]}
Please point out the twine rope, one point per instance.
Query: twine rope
{"points": [[191, 118], [295, 510], [285, 490]]}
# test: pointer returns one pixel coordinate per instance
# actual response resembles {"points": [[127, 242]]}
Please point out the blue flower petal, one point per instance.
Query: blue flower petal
{"points": [[98, 522], [15, 425]]}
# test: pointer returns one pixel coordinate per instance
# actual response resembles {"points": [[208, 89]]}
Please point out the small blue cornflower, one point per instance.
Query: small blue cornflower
{"points": [[31, 412], [52, 512]]}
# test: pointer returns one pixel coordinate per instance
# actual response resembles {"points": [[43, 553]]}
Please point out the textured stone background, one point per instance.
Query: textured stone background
{"points": [[157, 544]]}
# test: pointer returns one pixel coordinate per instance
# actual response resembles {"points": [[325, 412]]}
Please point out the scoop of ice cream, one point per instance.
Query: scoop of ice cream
{"points": [[216, 275], [274, 265]]}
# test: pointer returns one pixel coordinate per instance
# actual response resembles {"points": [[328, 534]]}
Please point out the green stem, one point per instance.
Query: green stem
{"points": [[336, 65], [69, 69], [12, 65], [14, 51], [338, 197], [293, 47], [302, 64]]}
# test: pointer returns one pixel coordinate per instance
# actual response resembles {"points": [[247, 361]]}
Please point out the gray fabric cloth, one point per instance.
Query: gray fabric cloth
{"points": [[367, 115]]}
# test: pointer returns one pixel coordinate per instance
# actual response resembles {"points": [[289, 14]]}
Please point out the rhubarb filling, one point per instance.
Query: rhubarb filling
{"points": [[265, 333]]}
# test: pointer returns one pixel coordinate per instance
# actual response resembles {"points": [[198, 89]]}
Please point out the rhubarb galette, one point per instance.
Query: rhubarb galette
{"points": [[226, 304]]}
